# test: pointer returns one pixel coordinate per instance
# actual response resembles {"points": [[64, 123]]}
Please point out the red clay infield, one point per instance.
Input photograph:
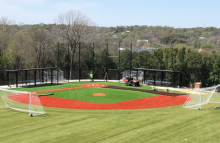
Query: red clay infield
{"points": [[150, 102]]}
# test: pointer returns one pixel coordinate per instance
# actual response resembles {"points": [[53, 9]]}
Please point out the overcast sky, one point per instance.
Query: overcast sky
{"points": [[173, 13]]}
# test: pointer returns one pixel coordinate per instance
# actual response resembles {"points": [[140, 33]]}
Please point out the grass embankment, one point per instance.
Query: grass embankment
{"points": [[163, 125]]}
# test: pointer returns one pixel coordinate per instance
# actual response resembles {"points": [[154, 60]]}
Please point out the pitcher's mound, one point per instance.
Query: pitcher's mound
{"points": [[94, 85], [98, 94]]}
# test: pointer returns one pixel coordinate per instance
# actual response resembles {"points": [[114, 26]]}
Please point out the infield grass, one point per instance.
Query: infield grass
{"points": [[111, 95], [157, 125]]}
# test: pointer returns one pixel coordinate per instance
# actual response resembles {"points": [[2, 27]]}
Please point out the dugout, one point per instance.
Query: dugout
{"points": [[30, 77], [162, 77]]}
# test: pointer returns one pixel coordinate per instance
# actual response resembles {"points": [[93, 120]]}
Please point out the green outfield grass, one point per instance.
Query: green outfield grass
{"points": [[111, 95], [75, 84], [157, 125]]}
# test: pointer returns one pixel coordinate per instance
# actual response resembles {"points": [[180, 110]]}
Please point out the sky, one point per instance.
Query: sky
{"points": [[107, 13]]}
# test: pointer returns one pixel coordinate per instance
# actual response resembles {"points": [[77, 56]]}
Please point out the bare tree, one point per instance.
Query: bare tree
{"points": [[21, 50], [74, 27], [40, 42], [7, 30]]}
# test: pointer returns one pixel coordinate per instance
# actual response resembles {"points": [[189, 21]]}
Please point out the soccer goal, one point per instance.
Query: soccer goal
{"points": [[202, 96], [21, 101]]}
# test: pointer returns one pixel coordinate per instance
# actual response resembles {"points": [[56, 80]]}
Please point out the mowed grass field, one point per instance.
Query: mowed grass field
{"points": [[172, 124]]}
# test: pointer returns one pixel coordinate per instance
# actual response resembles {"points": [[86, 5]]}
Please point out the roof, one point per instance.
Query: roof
{"points": [[158, 70]]}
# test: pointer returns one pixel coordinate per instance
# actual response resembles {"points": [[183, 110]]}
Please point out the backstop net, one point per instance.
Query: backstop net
{"points": [[202, 96], [21, 101], [56, 76]]}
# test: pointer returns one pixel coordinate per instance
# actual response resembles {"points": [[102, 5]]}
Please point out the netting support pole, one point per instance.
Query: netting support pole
{"points": [[58, 65], [79, 62], [181, 84], [42, 76], [173, 75], [51, 76], [93, 58], [119, 61], [16, 78], [130, 58], [106, 61], [26, 79], [35, 78], [29, 78], [30, 106], [7, 75], [69, 62], [154, 77]]}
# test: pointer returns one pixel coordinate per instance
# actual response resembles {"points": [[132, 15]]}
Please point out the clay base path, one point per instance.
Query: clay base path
{"points": [[150, 102]]}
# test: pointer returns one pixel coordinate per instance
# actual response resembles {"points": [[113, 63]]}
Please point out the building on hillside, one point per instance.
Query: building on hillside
{"points": [[142, 41], [202, 38], [113, 32], [41, 24], [122, 49], [114, 36], [145, 49], [21, 24], [159, 45]]}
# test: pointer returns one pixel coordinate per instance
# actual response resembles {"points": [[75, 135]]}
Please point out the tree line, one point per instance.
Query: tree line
{"points": [[191, 50], [202, 66]]}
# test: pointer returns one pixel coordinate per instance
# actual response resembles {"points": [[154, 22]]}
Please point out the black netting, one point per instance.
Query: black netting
{"points": [[77, 60]]}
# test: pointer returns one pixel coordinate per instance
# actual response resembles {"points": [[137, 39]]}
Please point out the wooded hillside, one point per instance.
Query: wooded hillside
{"points": [[191, 50]]}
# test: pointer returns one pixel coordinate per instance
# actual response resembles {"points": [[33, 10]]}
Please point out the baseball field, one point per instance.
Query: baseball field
{"points": [[109, 112]]}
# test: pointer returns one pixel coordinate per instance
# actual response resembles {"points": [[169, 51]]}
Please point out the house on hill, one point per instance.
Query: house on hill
{"points": [[145, 49], [142, 41]]}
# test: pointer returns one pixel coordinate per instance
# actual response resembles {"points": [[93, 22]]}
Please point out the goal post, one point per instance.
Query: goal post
{"points": [[202, 96], [21, 101]]}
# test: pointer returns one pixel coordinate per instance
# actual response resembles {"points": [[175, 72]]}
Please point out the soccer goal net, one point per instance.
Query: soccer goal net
{"points": [[202, 96], [21, 101]]}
